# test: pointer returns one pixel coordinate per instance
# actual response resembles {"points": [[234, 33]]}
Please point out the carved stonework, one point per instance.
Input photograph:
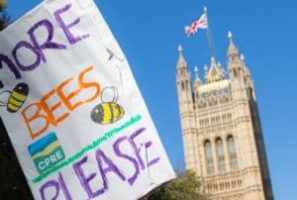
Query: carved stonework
{"points": [[222, 136]]}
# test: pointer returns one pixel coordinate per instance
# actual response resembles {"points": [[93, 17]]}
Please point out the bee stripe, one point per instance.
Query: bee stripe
{"points": [[121, 111], [12, 107], [107, 113], [15, 102], [18, 96], [100, 114], [118, 110], [111, 112]]}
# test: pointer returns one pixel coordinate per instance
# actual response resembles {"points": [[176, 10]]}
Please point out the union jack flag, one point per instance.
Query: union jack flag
{"points": [[200, 23]]}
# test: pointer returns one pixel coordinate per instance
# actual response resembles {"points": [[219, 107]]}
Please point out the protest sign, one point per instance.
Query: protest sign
{"points": [[73, 111]]}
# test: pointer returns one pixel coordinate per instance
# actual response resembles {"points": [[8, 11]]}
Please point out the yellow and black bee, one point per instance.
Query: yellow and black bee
{"points": [[109, 111], [17, 97]]}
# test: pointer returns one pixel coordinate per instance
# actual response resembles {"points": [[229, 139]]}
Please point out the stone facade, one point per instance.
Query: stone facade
{"points": [[221, 130]]}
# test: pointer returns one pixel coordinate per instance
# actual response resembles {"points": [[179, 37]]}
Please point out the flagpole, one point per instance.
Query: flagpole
{"points": [[209, 35]]}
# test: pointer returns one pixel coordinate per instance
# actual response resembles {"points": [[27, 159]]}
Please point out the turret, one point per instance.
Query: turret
{"points": [[183, 77], [186, 109], [182, 66], [215, 72], [239, 73], [197, 80], [235, 64]]}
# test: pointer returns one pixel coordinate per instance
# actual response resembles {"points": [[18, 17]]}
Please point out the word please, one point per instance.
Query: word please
{"points": [[95, 184], [36, 48]]}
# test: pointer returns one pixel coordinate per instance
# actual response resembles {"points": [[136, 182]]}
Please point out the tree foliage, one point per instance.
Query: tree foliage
{"points": [[13, 184], [186, 186], [4, 19]]}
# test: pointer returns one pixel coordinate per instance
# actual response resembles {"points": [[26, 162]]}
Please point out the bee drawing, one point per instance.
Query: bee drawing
{"points": [[109, 111], [17, 97]]}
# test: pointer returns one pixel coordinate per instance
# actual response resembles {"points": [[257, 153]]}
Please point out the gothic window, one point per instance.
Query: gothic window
{"points": [[183, 85], [218, 119], [233, 183], [224, 117], [239, 182], [209, 157], [232, 152], [222, 186], [235, 74], [182, 72], [227, 185], [201, 104], [209, 187], [220, 155], [197, 95], [212, 120], [245, 81], [201, 122], [239, 73], [186, 85], [207, 122], [229, 116]]}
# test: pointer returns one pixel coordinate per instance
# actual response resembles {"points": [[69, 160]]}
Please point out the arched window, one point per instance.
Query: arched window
{"points": [[220, 155], [232, 152], [235, 73], [209, 157], [182, 85]]}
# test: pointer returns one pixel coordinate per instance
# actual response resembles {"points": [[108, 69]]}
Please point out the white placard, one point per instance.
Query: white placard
{"points": [[73, 111]]}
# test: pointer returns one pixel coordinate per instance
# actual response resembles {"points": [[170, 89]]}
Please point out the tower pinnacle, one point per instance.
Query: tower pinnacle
{"points": [[180, 48], [232, 50], [197, 82], [196, 70], [242, 57], [181, 60], [215, 72], [230, 35]]}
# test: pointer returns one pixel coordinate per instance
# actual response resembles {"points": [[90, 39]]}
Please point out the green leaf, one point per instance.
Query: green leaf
{"points": [[187, 186]]}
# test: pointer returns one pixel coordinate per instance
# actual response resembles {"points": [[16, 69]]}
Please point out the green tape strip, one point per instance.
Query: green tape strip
{"points": [[88, 148]]}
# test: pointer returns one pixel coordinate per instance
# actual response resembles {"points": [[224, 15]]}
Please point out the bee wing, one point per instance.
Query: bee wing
{"points": [[4, 96], [116, 94], [109, 94]]}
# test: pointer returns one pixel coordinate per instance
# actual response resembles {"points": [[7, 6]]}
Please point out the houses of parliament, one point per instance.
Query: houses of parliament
{"points": [[222, 136]]}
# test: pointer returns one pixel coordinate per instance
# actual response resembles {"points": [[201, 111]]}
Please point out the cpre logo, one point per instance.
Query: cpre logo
{"points": [[46, 152]]}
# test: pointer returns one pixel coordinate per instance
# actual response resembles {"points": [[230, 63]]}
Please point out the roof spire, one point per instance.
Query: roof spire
{"points": [[215, 72], [205, 71], [246, 70], [197, 82], [181, 60], [232, 50], [230, 35], [242, 57], [180, 48]]}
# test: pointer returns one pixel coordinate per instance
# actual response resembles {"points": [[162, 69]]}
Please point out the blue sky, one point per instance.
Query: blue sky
{"points": [[265, 31]]}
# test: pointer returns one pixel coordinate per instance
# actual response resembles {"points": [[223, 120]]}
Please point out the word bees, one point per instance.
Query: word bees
{"points": [[40, 115]]}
